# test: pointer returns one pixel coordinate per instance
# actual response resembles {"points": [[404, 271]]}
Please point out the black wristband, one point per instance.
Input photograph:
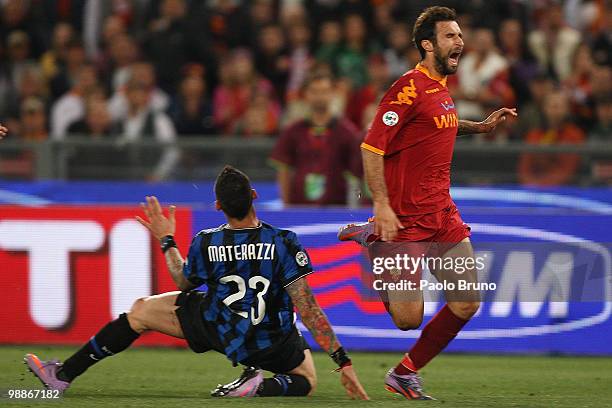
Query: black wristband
{"points": [[340, 357], [167, 242]]}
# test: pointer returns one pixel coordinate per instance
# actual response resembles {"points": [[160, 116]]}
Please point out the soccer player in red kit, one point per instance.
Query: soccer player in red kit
{"points": [[407, 155]]}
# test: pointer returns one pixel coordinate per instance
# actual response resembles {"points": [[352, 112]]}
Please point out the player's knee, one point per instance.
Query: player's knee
{"points": [[137, 315], [466, 310], [407, 322]]}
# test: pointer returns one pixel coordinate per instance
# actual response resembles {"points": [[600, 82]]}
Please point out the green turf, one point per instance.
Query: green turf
{"points": [[178, 378]]}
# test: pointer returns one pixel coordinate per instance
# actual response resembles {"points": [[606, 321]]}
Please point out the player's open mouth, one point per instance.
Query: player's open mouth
{"points": [[453, 58]]}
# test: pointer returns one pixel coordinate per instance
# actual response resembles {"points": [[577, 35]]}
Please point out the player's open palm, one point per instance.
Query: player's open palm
{"points": [[156, 221], [497, 117], [351, 384]]}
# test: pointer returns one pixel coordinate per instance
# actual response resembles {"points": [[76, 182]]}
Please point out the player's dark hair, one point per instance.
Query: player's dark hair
{"points": [[425, 25], [233, 192]]}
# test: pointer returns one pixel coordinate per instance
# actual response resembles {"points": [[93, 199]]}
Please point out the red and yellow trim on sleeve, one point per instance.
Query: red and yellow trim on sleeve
{"points": [[373, 149]]}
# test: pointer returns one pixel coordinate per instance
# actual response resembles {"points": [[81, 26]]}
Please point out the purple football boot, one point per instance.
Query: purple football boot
{"points": [[409, 385], [362, 233], [46, 372], [245, 386]]}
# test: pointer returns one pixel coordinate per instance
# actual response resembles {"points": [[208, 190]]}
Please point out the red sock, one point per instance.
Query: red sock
{"points": [[436, 335]]}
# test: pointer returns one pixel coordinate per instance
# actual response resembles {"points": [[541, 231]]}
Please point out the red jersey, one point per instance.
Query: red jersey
{"points": [[415, 129], [320, 159]]}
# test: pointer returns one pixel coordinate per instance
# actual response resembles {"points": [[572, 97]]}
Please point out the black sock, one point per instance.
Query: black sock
{"points": [[115, 337], [289, 385]]}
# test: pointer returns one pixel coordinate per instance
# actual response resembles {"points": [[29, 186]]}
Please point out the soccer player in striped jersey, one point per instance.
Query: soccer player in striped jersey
{"points": [[254, 275]]}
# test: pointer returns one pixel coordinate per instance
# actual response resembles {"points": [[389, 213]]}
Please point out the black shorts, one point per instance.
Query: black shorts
{"points": [[284, 355]]}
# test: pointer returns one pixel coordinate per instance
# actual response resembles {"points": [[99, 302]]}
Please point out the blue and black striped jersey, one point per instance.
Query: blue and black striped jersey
{"points": [[246, 272]]}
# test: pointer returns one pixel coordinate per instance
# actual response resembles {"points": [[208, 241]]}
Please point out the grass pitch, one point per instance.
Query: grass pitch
{"points": [[144, 377]]}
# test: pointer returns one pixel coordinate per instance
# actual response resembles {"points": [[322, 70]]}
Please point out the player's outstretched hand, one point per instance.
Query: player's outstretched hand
{"points": [[156, 221], [386, 223], [3, 131], [497, 117], [351, 383]]}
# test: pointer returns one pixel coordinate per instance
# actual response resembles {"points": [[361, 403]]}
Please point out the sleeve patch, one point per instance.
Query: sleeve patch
{"points": [[390, 118]]}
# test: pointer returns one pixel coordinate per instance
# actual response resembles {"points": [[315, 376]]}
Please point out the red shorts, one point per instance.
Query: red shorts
{"points": [[426, 235], [444, 226]]}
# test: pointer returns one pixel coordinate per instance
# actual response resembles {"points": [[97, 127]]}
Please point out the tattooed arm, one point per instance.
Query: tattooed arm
{"points": [[467, 127], [315, 320], [312, 316], [174, 262]]}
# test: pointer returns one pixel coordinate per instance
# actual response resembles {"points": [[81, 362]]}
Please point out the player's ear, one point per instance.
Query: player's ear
{"points": [[427, 45], [217, 205], [254, 194]]}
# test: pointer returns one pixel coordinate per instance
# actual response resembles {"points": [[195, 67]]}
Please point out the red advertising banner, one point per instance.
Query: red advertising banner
{"points": [[67, 271]]}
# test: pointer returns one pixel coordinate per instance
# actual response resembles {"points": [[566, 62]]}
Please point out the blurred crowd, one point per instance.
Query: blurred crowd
{"points": [[171, 69]]}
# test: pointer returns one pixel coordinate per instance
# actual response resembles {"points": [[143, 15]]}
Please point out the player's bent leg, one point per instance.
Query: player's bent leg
{"points": [[157, 313], [308, 371], [463, 303], [407, 315], [150, 313]]}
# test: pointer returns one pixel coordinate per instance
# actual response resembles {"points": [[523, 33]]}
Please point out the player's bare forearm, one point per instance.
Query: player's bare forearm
{"points": [[374, 174], [468, 127], [174, 262], [312, 316]]}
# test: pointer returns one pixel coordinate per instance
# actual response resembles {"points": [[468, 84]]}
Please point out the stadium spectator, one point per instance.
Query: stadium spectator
{"points": [[602, 130], [482, 78], [602, 39], [396, 54], [522, 66], [69, 71], [27, 17], [239, 83], [579, 86], [32, 126], [261, 13], [313, 155], [551, 169], [122, 53], [173, 40], [145, 73], [97, 121], [300, 58], [144, 122], [18, 53], [225, 23], [191, 111], [70, 107], [330, 42], [261, 117], [531, 116], [554, 43], [271, 59], [352, 59], [378, 72], [33, 120], [54, 58]]}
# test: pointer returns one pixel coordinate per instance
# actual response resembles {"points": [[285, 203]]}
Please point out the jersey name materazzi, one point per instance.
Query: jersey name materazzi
{"points": [[244, 252]]}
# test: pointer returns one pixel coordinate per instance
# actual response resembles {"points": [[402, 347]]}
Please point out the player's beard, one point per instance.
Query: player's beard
{"points": [[441, 61]]}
